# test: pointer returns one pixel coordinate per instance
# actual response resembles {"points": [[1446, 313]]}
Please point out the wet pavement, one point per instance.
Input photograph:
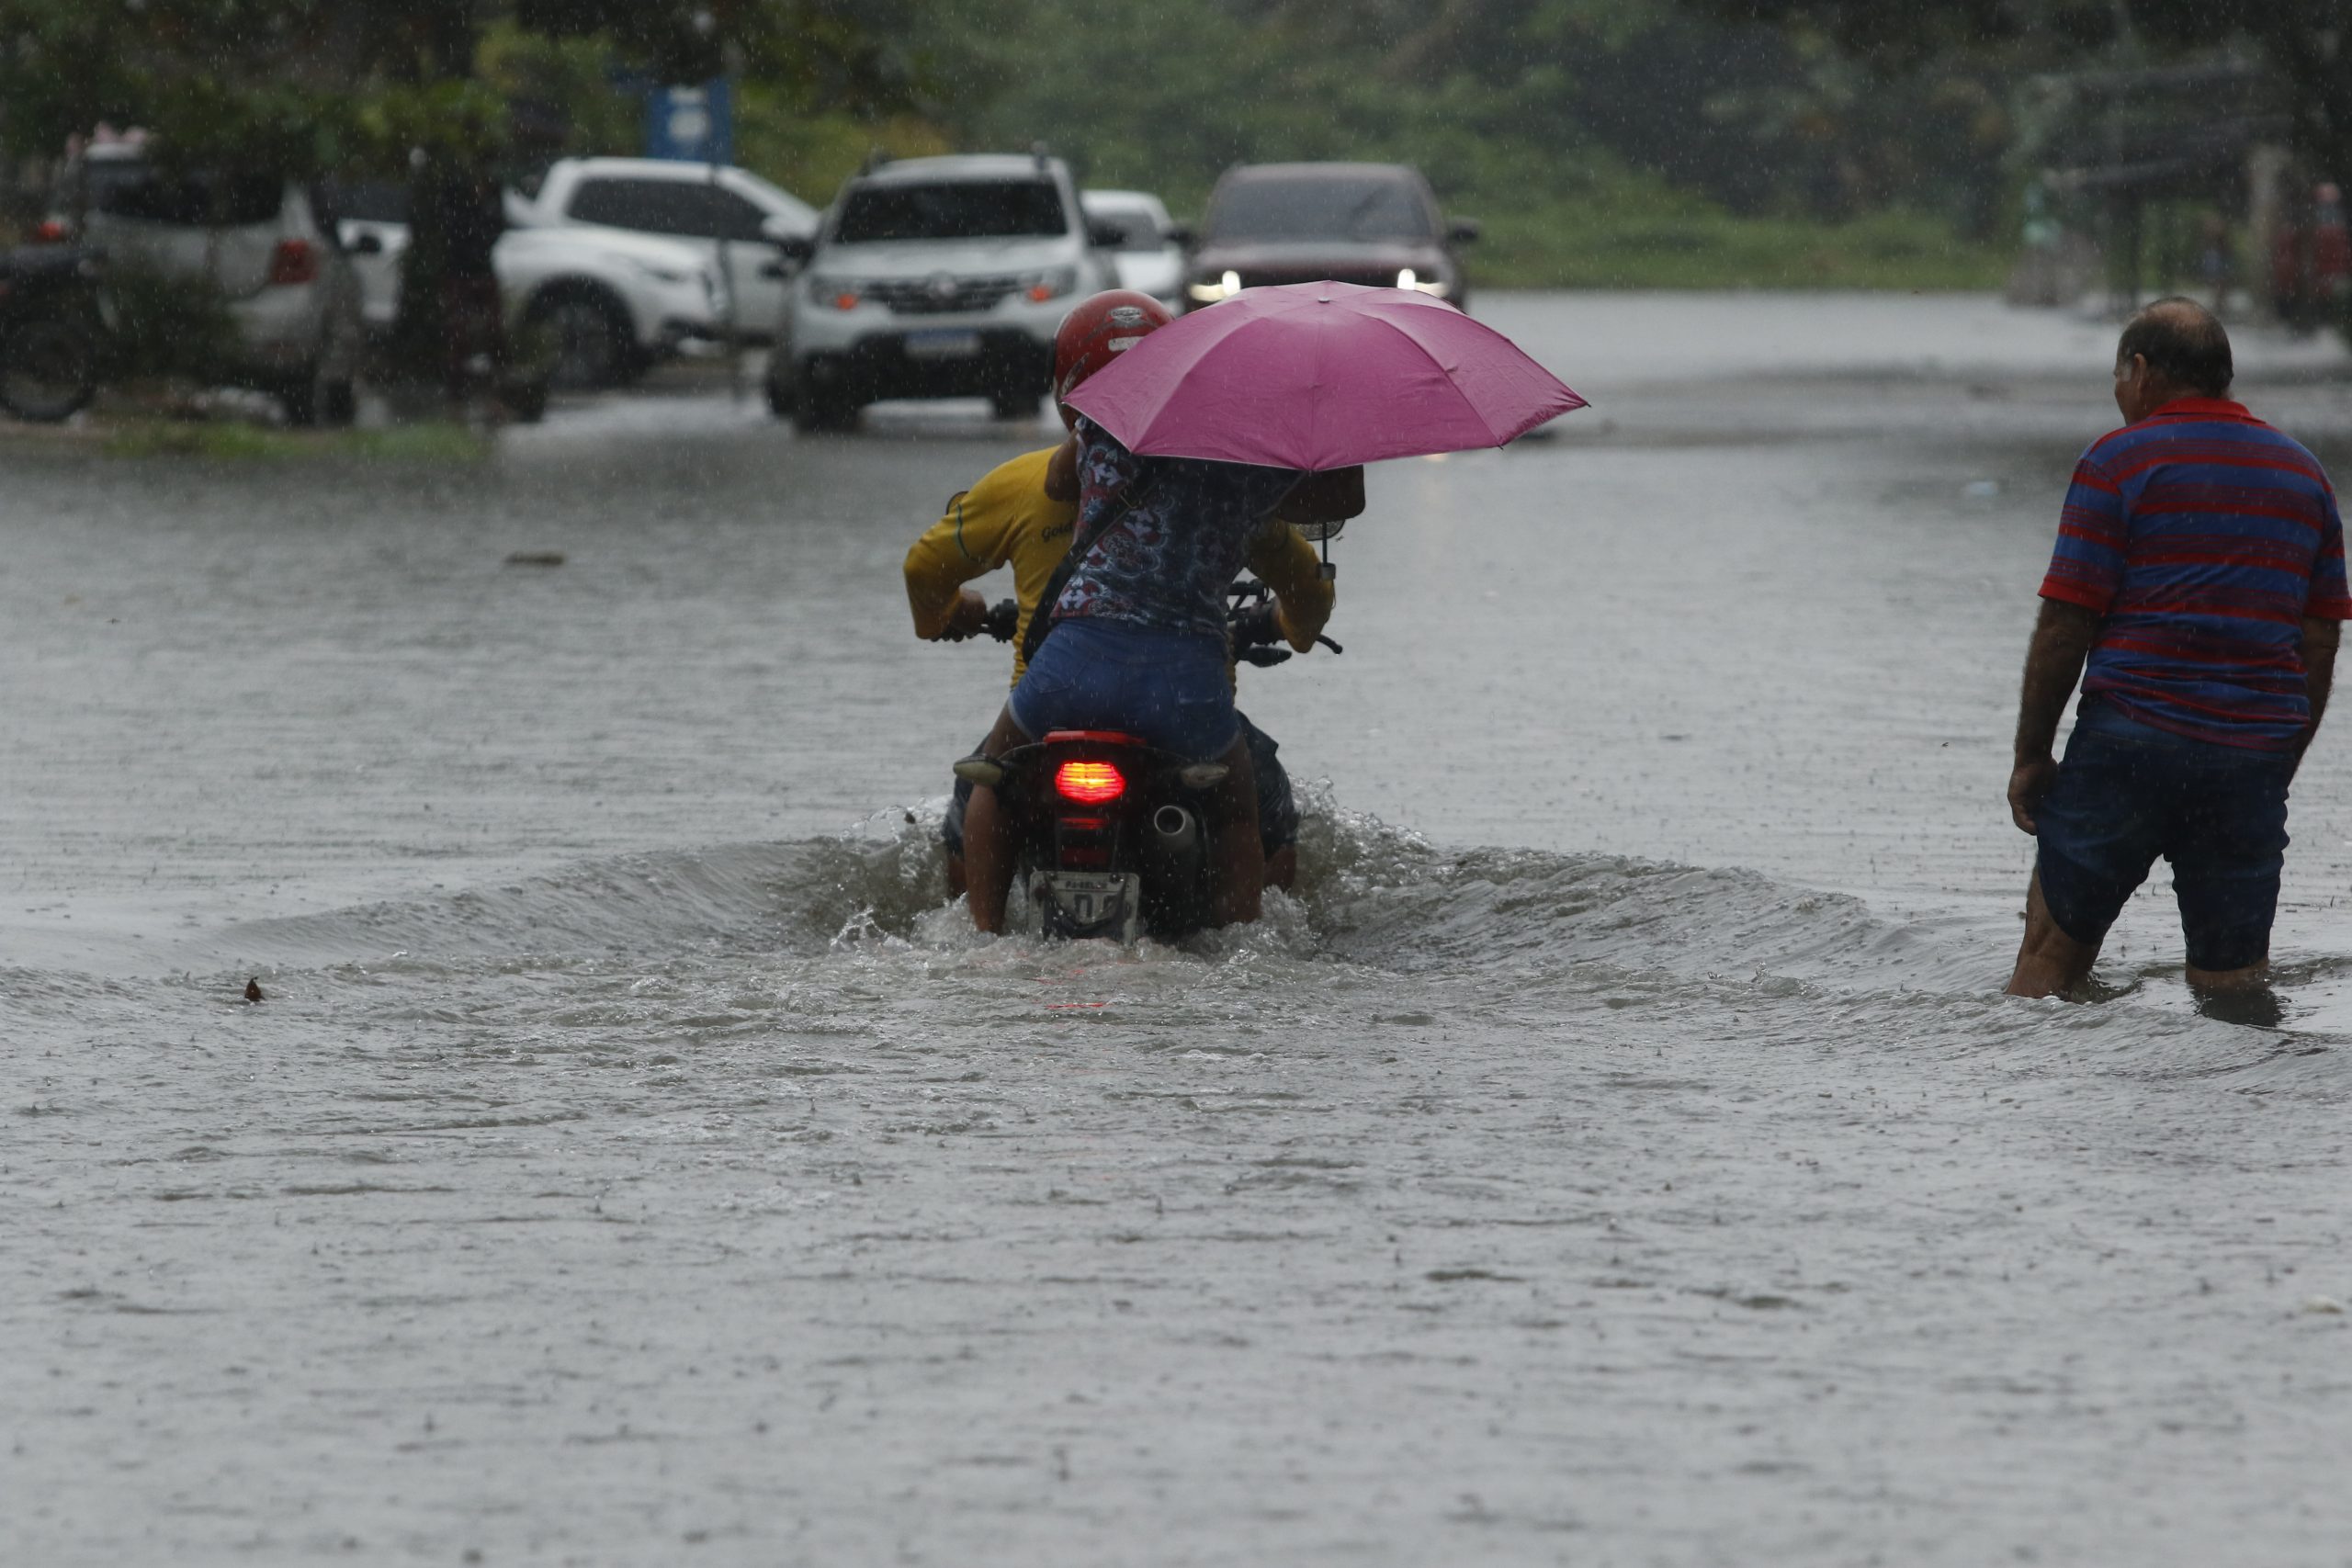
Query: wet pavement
{"points": [[1617, 1154]]}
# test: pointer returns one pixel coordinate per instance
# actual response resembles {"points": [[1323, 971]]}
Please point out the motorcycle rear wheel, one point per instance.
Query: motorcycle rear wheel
{"points": [[49, 371]]}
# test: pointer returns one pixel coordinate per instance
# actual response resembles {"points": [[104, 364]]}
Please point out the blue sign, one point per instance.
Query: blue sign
{"points": [[693, 124]]}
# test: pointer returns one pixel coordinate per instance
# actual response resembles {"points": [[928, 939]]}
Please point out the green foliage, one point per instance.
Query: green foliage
{"points": [[425, 442], [1600, 141]]}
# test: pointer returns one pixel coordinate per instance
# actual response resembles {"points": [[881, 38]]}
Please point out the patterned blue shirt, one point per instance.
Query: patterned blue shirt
{"points": [[1167, 560]]}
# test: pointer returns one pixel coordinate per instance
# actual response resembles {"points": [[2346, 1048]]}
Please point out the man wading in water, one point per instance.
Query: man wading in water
{"points": [[2199, 570]]}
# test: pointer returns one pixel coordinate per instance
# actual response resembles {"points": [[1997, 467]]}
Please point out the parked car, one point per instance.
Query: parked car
{"points": [[259, 239], [1368, 223], [685, 203], [1147, 252], [615, 303], [936, 277]]}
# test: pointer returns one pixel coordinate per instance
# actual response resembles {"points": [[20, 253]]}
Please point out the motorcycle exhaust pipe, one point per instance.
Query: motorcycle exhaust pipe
{"points": [[1178, 830]]}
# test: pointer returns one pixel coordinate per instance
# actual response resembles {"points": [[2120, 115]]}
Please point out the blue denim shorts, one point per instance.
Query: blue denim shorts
{"points": [[2128, 793], [1167, 689]]}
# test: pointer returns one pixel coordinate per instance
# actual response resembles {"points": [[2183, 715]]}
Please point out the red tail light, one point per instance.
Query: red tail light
{"points": [[51, 231], [293, 262], [1090, 783]]}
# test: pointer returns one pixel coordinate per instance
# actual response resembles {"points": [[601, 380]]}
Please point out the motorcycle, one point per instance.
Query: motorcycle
{"points": [[1114, 834], [52, 332]]}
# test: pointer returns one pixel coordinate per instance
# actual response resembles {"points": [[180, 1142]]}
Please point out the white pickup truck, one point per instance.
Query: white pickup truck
{"points": [[722, 211], [615, 302]]}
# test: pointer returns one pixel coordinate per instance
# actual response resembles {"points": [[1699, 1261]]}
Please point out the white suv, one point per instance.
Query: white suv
{"points": [[693, 204], [615, 303], [255, 237], [935, 277]]}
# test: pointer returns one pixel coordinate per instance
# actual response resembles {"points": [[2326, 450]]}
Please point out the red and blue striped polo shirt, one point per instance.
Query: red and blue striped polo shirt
{"points": [[2203, 538]]}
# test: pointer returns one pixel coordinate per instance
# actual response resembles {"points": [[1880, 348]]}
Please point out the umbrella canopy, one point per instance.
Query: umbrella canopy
{"points": [[1321, 375]]}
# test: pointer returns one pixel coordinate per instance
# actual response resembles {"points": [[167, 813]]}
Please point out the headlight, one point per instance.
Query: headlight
{"points": [[841, 293], [1407, 279], [660, 274], [1050, 284], [1225, 287]]}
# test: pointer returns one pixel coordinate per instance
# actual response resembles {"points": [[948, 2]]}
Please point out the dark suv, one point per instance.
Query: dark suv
{"points": [[1368, 223]]}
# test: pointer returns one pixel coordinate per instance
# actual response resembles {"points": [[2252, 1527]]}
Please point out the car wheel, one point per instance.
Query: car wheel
{"points": [[526, 399], [814, 411], [49, 371], [592, 343], [321, 399], [781, 401]]}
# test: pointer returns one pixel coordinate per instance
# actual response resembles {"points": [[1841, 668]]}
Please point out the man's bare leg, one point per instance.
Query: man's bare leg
{"points": [[1240, 865], [1282, 867], [2049, 963], [2254, 976], [989, 848]]}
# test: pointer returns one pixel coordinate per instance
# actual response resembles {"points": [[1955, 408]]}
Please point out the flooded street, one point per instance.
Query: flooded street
{"points": [[1617, 1153]]}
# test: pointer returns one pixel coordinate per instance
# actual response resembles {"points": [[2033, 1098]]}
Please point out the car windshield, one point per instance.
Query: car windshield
{"points": [[1333, 209], [964, 210], [127, 187], [1138, 231]]}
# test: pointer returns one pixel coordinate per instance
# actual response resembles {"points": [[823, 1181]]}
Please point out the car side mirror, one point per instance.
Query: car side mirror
{"points": [[1178, 234], [1462, 231], [796, 248], [776, 270], [367, 243]]}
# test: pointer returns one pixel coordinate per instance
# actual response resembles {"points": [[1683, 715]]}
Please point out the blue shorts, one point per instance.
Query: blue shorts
{"points": [[1167, 689], [2128, 793], [1277, 806]]}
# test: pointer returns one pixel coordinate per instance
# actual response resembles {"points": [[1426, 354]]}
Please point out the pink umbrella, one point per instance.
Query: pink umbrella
{"points": [[1321, 375]]}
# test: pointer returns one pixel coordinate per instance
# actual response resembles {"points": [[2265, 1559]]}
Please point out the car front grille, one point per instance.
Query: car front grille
{"points": [[1272, 277], [941, 296]]}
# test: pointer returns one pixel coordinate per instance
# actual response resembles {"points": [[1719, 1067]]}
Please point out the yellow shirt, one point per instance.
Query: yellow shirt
{"points": [[1006, 519]]}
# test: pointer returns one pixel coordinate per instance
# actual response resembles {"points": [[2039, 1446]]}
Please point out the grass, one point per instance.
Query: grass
{"points": [[433, 442], [1576, 245]]}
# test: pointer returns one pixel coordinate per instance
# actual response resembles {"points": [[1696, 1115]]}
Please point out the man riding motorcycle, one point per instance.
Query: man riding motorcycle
{"points": [[1012, 517], [1139, 643]]}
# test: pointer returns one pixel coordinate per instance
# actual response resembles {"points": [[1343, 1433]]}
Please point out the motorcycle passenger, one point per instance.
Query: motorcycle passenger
{"points": [[1137, 640], [1008, 518]]}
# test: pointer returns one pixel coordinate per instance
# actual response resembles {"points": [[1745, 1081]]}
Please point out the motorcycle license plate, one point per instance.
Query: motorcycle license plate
{"points": [[944, 345], [1093, 898]]}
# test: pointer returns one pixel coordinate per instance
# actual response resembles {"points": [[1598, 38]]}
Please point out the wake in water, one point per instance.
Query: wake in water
{"points": [[1513, 933]]}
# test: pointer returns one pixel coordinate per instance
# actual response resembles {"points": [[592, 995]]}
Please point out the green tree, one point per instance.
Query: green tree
{"points": [[2306, 44]]}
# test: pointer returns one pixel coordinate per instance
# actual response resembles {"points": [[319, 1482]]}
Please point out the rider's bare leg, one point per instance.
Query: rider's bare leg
{"points": [[1240, 855], [989, 848], [1282, 867]]}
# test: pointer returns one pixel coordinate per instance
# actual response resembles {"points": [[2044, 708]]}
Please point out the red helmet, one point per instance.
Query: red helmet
{"points": [[1098, 330]]}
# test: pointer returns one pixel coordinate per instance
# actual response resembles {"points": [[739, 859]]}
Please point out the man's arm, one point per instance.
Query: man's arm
{"points": [[971, 539], [2063, 635], [2320, 637]]}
